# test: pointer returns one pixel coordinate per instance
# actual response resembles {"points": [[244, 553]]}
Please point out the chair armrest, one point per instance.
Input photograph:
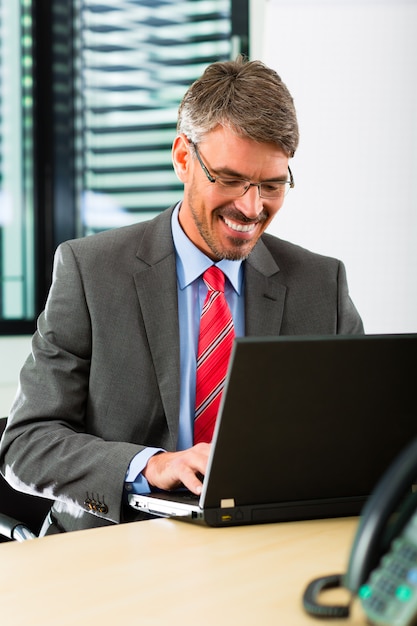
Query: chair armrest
{"points": [[14, 529]]}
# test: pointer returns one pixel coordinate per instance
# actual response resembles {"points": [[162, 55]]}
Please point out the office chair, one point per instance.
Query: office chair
{"points": [[21, 515]]}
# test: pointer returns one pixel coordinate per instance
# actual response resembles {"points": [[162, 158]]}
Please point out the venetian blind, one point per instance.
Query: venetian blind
{"points": [[135, 60]]}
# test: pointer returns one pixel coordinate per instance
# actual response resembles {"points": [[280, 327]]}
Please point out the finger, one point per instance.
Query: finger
{"points": [[168, 470], [192, 481]]}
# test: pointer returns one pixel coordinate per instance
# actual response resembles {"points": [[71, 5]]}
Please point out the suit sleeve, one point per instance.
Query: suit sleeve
{"points": [[46, 449], [349, 320]]}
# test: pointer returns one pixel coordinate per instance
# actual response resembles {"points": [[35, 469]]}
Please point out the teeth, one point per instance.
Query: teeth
{"points": [[241, 228]]}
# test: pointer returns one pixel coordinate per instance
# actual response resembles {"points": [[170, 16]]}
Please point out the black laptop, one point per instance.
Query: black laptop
{"points": [[307, 425]]}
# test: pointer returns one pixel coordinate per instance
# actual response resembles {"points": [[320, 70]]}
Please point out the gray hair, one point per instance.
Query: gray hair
{"points": [[246, 96]]}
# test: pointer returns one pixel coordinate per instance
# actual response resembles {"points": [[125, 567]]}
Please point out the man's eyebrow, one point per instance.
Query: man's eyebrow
{"points": [[225, 171]]}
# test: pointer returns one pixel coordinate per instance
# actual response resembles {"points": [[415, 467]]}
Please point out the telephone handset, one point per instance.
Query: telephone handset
{"points": [[382, 567]]}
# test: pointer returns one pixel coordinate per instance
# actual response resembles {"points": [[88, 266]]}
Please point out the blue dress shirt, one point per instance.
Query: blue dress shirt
{"points": [[191, 264]]}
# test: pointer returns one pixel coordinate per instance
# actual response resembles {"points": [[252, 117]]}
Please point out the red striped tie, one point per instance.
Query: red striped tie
{"points": [[214, 346]]}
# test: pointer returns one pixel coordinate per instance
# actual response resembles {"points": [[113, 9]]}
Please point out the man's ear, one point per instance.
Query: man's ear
{"points": [[181, 157]]}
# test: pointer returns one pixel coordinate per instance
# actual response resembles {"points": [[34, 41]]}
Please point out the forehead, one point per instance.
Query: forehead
{"points": [[227, 151]]}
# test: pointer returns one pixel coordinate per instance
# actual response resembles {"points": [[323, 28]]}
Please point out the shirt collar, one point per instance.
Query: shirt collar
{"points": [[192, 263]]}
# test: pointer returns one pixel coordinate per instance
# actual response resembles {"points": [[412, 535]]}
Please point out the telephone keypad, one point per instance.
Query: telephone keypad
{"points": [[385, 585], [390, 595]]}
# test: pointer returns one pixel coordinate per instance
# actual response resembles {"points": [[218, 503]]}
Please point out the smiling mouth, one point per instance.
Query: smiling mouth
{"points": [[240, 228]]}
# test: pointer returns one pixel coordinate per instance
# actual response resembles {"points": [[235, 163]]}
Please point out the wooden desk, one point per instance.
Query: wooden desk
{"points": [[170, 572]]}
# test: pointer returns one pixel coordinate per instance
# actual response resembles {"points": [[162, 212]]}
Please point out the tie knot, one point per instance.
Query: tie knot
{"points": [[214, 279]]}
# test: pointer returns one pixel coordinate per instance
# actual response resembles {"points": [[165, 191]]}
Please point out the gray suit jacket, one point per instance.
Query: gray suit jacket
{"points": [[102, 381]]}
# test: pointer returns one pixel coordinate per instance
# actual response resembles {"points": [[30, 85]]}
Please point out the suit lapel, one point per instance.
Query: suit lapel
{"points": [[264, 293], [156, 285]]}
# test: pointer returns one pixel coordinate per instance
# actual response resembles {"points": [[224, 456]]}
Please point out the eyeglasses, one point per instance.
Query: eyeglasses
{"points": [[273, 189]]}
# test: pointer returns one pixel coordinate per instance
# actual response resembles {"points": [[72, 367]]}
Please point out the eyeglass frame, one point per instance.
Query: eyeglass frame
{"points": [[213, 179]]}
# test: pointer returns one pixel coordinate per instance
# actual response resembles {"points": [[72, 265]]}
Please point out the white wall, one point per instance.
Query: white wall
{"points": [[351, 66]]}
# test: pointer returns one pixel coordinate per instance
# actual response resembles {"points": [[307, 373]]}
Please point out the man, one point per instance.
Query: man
{"points": [[106, 399]]}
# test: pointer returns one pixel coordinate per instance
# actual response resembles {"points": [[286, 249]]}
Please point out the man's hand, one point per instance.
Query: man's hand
{"points": [[169, 470]]}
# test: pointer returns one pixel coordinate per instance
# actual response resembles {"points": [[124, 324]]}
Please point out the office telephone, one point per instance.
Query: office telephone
{"points": [[382, 568]]}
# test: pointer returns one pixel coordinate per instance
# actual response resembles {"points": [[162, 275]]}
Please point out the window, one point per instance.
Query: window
{"points": [[17, 280], [135, 61], [89, 91]]}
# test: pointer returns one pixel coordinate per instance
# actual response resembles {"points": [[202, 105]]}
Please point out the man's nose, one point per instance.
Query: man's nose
{"points": [[250, 204]]}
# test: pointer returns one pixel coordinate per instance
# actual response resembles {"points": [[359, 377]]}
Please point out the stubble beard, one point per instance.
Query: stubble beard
{"points": [[239, 249]]}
